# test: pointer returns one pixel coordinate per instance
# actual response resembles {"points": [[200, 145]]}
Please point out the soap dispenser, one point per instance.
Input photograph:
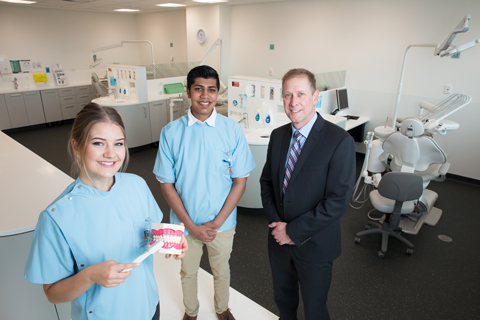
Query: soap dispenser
{"points": [[258, 115]]}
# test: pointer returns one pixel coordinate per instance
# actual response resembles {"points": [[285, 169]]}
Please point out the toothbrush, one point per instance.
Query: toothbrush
{"points": [[153, 248]]}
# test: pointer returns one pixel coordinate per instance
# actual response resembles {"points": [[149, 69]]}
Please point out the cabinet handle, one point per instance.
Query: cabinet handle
{"points": [[30, 94], [49, 91], [15, 95], [69, 107], [145, 111], [67, 98], [83, 96]]}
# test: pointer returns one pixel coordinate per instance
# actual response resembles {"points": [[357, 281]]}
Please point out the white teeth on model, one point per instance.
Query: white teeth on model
{"points": [[167, 239], [107, 163]]}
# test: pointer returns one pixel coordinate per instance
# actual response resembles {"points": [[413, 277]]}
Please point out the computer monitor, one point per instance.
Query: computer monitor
{"points": [[342, 100]]}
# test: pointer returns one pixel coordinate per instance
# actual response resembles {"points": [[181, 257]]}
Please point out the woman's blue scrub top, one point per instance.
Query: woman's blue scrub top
{"points": [[202, 160], [85, 226]]}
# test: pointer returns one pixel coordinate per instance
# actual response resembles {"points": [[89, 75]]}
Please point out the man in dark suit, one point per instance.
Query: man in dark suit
{"points": [[306, 186]]}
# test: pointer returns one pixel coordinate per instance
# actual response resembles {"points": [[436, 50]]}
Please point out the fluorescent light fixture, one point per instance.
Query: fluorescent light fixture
{"points": [[127, 10], [19, 1], [171, 5], [210, 1]]}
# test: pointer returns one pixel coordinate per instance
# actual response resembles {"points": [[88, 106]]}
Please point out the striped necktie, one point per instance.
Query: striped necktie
{"points": [[292, 159]]}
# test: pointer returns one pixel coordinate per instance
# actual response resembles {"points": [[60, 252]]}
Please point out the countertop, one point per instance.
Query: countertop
{"points": [[42, 88], [110, 101], [28, 184]]}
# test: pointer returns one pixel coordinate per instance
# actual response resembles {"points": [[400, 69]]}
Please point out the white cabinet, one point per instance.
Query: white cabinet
{"points": [[25, 108], [82, 90], [51, 105], [16, 110], [177, 110], [4, 118], [136, 119], [159, 115], [34, 107], [73, 100], [66, 92]]}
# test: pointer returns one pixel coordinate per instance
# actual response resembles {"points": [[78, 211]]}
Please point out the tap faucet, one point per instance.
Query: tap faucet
{"points": [[244, 119], [114, 91], [15, 83]]}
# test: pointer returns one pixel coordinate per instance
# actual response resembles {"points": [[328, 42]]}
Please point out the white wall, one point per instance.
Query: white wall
{"points": [[226, 36], [368, 39], [66, 37], [162, 29], [208, 19]]}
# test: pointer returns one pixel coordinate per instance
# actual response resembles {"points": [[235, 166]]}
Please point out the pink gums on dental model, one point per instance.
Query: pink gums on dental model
{"points": [[171, 234]]}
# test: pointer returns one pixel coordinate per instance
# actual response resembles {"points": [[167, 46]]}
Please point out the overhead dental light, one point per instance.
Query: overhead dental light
{"points": [[95, 62], [444, 50]]}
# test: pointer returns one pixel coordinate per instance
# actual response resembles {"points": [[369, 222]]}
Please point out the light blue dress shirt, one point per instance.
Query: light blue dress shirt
{"points": [[85, 226], [202, 158]]}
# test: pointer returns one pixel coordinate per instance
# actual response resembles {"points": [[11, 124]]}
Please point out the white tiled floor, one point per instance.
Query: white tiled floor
{"points": [[171, 305]]}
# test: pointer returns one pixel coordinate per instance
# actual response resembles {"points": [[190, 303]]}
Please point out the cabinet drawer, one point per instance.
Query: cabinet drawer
{"points": [[70, 111], [82, 90], [65, 92], [84, 98], [68, 100]]}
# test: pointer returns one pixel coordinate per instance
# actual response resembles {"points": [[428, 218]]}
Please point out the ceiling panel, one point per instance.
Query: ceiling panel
{"points": [[146, 6]]}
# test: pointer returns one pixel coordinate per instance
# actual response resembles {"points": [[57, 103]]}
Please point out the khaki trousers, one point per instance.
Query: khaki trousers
{"points": [[219, 251]]}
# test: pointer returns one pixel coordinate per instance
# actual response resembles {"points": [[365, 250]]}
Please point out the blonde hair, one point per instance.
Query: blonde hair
{"points": [[300, 72], [88, 117]]}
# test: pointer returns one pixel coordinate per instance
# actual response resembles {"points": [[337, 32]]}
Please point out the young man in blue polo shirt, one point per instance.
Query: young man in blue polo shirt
{"points": [[203, 162]]}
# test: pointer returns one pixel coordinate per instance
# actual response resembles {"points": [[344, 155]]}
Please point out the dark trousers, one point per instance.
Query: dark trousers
{"points": [[288, 273], [156, 316]]}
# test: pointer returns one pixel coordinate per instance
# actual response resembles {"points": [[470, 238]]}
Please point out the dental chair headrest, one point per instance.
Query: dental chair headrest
{"points": [[412, 127]]}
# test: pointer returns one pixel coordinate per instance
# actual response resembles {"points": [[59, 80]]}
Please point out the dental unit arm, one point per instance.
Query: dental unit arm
{"points": [[96, 61], [444, 50]]}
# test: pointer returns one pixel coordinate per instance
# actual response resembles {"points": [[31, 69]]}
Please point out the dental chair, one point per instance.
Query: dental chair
{"points": [[394, 196], [407, 151]]}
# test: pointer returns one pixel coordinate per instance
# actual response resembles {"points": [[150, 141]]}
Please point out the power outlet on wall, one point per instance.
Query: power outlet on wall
{"points": [[448, 89]]}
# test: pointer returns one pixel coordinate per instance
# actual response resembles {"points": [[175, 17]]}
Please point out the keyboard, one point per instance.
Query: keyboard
{"points": [[352, 117]]}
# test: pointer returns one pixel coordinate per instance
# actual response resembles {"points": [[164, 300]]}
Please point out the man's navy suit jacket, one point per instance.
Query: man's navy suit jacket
{"points": [[318, 192]]}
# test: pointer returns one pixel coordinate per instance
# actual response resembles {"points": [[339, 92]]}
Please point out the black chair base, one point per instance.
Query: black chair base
{"points": [[387, 231]]}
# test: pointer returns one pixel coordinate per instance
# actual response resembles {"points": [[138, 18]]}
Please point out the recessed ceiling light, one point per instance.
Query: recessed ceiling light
{"points": [[127, 10], [171, 5], [19, 1], [210, 1]]}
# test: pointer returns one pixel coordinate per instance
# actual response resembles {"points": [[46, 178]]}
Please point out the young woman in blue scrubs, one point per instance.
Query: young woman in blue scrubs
{"points": [[96, 227]]}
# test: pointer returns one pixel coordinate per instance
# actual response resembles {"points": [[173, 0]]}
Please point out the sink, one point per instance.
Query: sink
{"points": [[119, 100]]}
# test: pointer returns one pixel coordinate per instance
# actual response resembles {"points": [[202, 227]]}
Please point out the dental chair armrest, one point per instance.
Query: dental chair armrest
{"points": [[444, 168], [443, 171]]}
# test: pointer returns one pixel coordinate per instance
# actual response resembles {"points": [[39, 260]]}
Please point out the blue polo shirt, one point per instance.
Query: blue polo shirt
{"points": [[85, 226], [202, 159]]}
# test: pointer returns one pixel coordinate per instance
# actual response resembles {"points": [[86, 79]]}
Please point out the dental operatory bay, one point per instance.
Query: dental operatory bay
{"points": [[400, 78]]}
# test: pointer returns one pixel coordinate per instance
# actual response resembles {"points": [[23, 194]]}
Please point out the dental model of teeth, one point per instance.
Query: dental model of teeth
{"points": [[171, 234]]}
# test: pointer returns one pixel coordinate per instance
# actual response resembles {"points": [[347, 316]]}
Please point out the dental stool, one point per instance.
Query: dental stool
{"points": [[395, 196]]}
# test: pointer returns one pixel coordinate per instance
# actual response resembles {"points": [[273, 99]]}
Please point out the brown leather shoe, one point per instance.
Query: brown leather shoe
{"points": [[226, 315], [187, 317]]}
